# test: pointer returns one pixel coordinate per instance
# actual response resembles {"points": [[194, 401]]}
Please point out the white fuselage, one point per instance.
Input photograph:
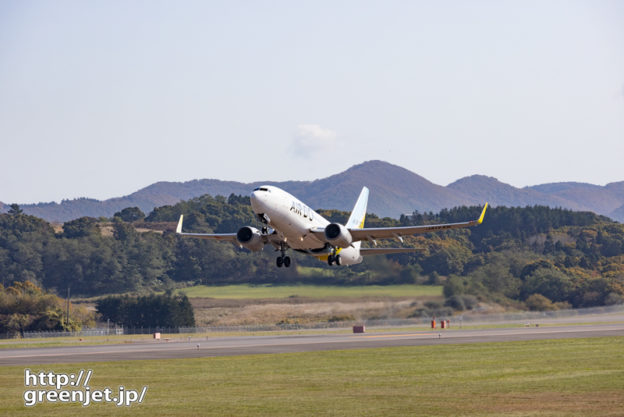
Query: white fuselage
{"points": [[293, 220]]}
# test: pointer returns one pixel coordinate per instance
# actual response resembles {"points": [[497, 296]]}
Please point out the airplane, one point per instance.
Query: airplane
{"points": [[290, 224]]}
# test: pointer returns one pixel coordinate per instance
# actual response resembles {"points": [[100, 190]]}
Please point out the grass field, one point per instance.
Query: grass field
{"points": [[570, 377], [311, 291]]}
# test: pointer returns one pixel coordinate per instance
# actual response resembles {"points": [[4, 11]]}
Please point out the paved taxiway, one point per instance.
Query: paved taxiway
{"points": [[245, 345]]}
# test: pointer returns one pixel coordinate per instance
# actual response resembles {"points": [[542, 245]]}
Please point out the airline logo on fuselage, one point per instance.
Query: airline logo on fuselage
{"points": [[302, 210]]}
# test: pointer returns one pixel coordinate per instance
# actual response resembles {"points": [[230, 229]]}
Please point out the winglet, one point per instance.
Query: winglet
{"points": [[179, 228], [480, 217]]}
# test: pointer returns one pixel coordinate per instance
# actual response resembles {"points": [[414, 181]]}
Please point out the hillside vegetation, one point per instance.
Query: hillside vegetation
{"points": [[533, 257], [26, 307]]}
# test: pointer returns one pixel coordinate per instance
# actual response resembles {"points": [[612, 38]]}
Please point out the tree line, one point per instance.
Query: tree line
{"points": [[155, 310], [569, 258]]}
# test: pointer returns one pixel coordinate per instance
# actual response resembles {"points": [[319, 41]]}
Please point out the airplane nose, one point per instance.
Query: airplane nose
{"points": [[257, 201]]}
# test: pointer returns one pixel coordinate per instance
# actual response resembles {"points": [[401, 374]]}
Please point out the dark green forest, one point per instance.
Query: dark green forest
{"points": [[154, 310], [532, 257]]}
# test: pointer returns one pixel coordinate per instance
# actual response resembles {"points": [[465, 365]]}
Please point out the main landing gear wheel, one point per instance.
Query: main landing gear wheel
{"points": [[283, 260], [333, 259]]}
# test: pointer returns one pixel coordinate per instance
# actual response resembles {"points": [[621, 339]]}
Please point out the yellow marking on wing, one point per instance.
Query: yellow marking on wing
{"points": [[482, 214]]}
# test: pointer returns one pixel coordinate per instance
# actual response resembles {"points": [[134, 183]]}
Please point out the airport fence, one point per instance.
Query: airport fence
{"points": [[466, 318], [100, 331]]}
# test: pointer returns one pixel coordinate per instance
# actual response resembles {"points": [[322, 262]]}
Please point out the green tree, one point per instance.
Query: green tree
{"points": [[26, 307], [537, 302], [81, 227], [551, 283], [15, 209], [130, 214], [165, 310]]}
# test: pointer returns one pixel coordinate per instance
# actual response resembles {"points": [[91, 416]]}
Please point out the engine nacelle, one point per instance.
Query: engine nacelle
{"points": [[338, 235], [250, 238]]}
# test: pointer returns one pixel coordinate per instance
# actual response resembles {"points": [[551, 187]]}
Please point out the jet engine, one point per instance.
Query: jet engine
{"points": [[250, 238], [338, 235]]}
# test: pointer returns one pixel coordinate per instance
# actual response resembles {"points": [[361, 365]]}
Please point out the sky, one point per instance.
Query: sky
{"points": [[101, 98]]}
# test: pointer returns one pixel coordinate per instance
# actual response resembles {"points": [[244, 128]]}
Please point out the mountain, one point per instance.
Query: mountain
{"points": [[482, 188], [607, 200], [618, 214], [589, 197], [394, 191]]}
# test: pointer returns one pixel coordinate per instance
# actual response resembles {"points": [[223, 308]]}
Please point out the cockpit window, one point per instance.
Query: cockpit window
{"points": [[262, 189]]}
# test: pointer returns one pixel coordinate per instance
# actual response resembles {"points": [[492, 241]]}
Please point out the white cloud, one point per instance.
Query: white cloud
{"points": [[312, 139]]}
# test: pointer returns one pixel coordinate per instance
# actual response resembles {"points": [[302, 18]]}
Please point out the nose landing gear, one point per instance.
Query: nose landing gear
{"points": [[264, 219]]}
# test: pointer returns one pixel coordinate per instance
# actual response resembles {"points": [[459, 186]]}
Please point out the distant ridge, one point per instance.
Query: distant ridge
{"points": [[394, 191], [490, 189], [603, 200]]}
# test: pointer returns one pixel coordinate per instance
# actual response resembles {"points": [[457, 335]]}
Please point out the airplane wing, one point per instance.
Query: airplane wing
{"points": [[227, 237], [373, 233]]}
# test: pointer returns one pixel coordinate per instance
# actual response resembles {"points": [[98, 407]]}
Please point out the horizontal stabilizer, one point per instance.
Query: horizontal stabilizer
{"points": [[386, 251], [230, 237]]}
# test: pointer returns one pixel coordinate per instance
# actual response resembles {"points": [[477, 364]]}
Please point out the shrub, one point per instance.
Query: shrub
{"points": [[537, 302]]}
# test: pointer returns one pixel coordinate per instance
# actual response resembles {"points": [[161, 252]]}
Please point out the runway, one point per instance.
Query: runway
{"points": [[247, 345]]}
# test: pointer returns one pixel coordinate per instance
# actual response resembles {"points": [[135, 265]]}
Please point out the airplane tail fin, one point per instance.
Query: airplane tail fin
{"points": [[179, 227], [358, 215]]}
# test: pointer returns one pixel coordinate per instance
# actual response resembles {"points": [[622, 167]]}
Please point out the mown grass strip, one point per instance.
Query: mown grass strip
{"points": [[311, 291], [567, 377]]}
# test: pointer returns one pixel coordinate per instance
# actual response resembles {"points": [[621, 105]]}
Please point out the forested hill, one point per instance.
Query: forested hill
{"points": [[519, 257], [394, 191]]}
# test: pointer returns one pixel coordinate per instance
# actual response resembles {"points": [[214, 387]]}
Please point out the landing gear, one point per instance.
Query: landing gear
{"points": [[333, 258], [283, 259], [264, 219]]}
